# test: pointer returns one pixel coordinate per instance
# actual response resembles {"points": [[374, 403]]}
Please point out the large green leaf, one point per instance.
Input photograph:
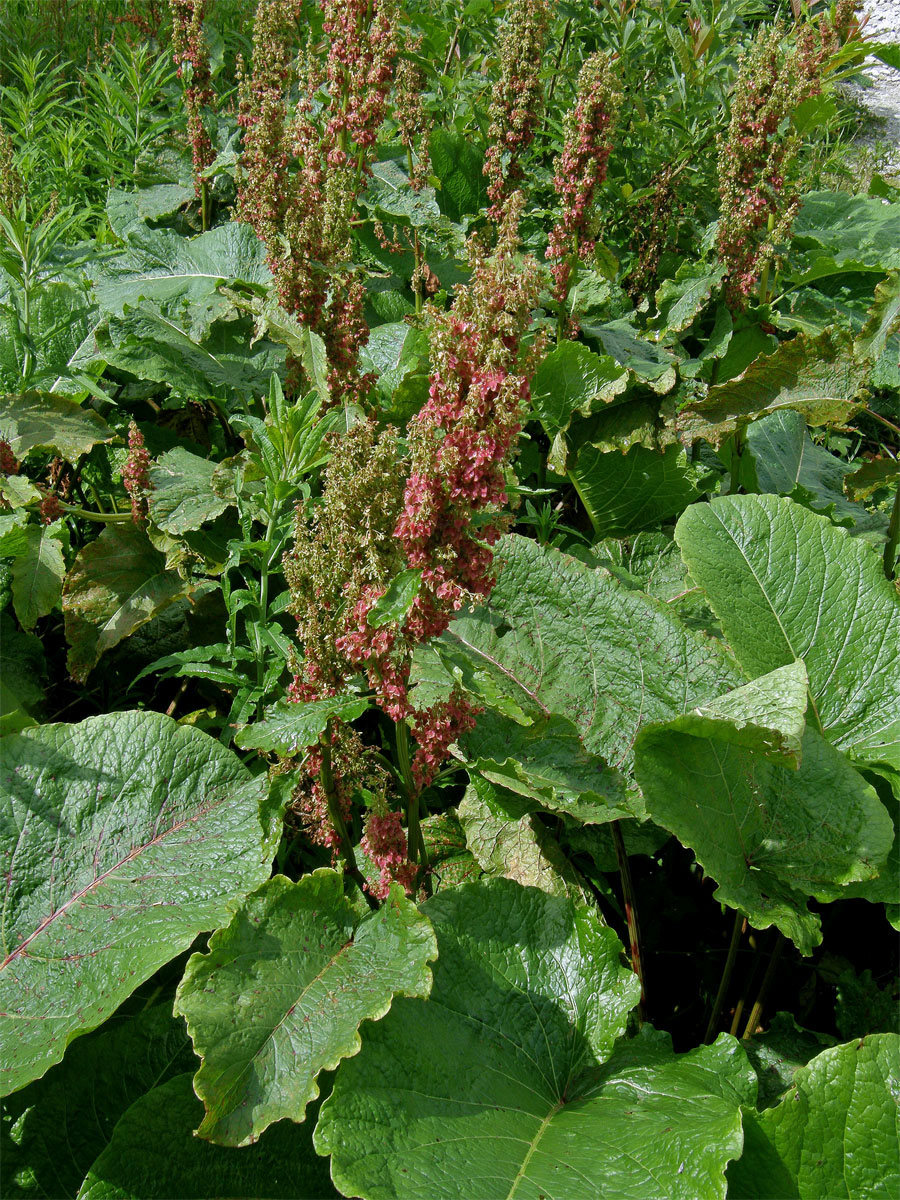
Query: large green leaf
{"points": [[818, 377], [38, 574], [153, 346], [725, 780], [282, 991], [507, 839], [60, 320], [788, 462], [682, 298], [787, 584], [501, 1084], [459, 166], [183, 493], [116, 584], [624, 493], [852, 231], [560, 637], [23, 672], [123, 838], [546, 763], [177, 275], [835, 1133], [38, 420], [63, 1121], [573, 379], [153, 1155]]}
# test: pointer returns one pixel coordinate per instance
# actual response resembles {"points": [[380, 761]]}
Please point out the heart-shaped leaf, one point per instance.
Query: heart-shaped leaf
{"points": [[502, 1084]]}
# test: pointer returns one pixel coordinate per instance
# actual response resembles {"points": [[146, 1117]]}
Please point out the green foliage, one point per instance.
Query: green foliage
{"points": [[89, 918], [527, 1003], [307, 971], [690, 661]]}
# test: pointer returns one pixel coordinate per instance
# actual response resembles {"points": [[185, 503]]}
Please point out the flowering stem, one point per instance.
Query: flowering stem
{"points": [[564, 41], [893, 538], [764, 277], [102, 518], [326, 779], [756, 1011], [413, 828], [740, 924], [631, 916]]}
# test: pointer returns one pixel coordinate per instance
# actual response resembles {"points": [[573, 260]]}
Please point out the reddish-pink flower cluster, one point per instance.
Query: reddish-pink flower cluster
{"points": [[51, 509], [360, 68], [757, 158], [518, 96], [135, 474], [581, 168], [384, 842], [303, 214], [191, 55], [9, 464]]}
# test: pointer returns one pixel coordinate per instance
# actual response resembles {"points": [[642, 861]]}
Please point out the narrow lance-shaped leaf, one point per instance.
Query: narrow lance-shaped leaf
{"points": [[282, 991], [786, 584], [122, 838], [506, 1082]]}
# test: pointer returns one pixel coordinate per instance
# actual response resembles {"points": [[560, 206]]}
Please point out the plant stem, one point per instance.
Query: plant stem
{"points": [[564, 41], [326, 779], [631, 916], [102, 518], [893, 538], [204, 206], [415, 841], [740, 924], [756, 1011]]}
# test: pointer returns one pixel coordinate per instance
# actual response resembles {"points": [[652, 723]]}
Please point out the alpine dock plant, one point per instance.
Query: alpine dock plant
{"points": [[463, 542]]}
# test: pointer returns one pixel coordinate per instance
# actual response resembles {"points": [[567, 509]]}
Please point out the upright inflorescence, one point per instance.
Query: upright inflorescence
{"points": [[581, 168], [343, 555], [518, 97], [758, 155], [303, 212], [136, 476], [413, 122], [441, 522], [191, 55], [12, 188]]}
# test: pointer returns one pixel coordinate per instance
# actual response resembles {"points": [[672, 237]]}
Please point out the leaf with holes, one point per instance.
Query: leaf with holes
{"points": [[123, 837]]}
